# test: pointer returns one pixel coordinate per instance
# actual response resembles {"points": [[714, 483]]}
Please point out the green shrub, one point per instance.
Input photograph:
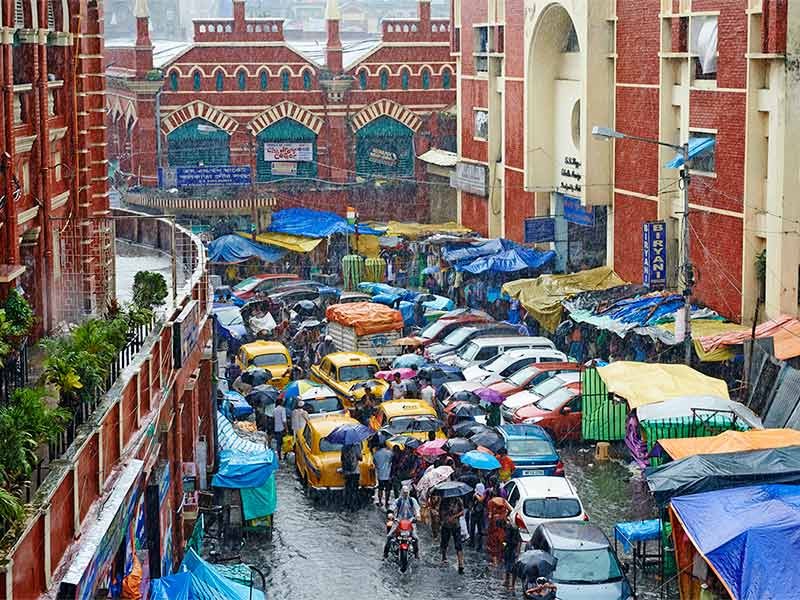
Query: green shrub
{"points": [[149, 289]]}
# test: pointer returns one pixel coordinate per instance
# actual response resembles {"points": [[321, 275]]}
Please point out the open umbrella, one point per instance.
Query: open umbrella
{"points": [[490, 396], [492, 440], [533, 564], [305, 308], [466, 410], [254, 377], [459, 446], [295, 390], [480, 460], [349, 434], [388, 375], [433, 477], [468, 428], [451, 489], [408, 341], [429, 451], [261, 395], [406, 361], [465, 396], [405, 440], [424, 423]]}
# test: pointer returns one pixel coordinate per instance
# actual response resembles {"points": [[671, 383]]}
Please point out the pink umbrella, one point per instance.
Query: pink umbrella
{"points": [[428, 449], [432, 478], [389, 375]]}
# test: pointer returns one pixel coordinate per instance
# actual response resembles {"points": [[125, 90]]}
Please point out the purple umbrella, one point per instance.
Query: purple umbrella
{"points": [[490, 396]]}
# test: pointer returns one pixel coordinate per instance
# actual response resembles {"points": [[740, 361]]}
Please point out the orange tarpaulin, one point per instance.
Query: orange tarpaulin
{"points": [[731, 441], [365, 317], [784, 330]]}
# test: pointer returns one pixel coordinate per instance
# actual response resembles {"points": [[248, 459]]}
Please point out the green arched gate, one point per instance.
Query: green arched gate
{"points": [[198, 142], [385, 147], [295, 138]]}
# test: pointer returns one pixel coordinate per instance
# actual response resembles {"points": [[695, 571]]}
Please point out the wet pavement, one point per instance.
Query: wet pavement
{"points": [[319, 552]]}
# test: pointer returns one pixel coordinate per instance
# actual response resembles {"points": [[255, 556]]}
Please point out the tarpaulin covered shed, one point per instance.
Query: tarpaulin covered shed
{"points": [[418, 230], [784, 330], [292, 243], [509, 261], [730, 441], [543, 295], [702, 329], [748, 536], [233, 248], [314, 223], [365, 317], [707, 472]]}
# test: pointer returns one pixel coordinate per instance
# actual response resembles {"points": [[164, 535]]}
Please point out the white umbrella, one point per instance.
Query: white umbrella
{"points": [[433, 477]]}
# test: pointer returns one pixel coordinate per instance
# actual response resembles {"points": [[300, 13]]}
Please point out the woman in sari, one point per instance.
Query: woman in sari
{"points": [[497, 511]]}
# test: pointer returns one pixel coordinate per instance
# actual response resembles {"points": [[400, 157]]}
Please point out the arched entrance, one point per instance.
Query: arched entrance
{"points": [[198, 142], [385, 148], [286, 148]]}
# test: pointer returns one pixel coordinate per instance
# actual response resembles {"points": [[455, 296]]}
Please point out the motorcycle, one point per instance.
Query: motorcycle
{"points": [[543, 589], [402, 541]]}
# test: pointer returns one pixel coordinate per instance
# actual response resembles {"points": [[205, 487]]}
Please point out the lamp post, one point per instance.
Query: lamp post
{"points": [[606, 133]]}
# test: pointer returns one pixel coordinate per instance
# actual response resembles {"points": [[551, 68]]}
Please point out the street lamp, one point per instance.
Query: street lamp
{"points": [[606, 133]]}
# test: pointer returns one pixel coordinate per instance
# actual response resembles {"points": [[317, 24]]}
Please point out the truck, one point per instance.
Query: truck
{"points": [[365, 327]]}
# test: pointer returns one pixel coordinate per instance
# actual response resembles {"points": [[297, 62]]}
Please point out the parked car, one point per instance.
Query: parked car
{"points": [[477, 350], [532, 450], [532, 394], [229, 326], [438, 374], [444, 326], [536, 500], [247, 288], [506, 364], [587, 568], [559, 413], [348, 297], [531, 376], [457, 338]]}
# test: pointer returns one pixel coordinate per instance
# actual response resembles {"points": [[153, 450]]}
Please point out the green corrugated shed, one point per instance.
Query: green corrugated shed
{"points": [[384, 148], [602, 419], [198, 142]]}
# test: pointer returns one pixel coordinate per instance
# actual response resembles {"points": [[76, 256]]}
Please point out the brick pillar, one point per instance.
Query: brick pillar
{"points": [[11, 242], [44, 267], [337, 148], [144, 159]]}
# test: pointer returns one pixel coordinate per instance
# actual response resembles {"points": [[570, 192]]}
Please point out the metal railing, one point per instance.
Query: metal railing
{"points": [[14, 373]]}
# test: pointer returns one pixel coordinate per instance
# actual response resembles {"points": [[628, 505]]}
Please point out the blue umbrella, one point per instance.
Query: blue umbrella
{"points": [[480, 460], [349, 434], [406, 361]]}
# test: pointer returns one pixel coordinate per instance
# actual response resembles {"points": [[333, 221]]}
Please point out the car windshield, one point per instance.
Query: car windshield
{"points": [[323, 405], [432, 330], [326, 446], [551, 508], [246, 284], [495, 364], [407, 424], [556, 399], [468, 351], [520, 377], [530, 447], [229, 317], [586, 566], [457, 337], [549, 386], [266, 360], [357, 372]]}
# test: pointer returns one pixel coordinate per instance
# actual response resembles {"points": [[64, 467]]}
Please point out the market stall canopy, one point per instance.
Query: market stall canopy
{"points": [[415, 231], [543, 295], [749, 536], [365, 317], [314, 223], [292, 243], [235, 249], [730, 441], [198, 580], [702, 328], [244, 469], [510, 261], [784, 330], [701, 406], [708, 472], [647, 383]]}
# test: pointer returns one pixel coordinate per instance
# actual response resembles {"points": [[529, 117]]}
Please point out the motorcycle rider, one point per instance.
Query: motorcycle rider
{"points": [[404, 507]]}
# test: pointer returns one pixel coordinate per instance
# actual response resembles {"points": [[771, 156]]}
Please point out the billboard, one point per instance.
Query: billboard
{"points": [[654, 254], [288, 151]]}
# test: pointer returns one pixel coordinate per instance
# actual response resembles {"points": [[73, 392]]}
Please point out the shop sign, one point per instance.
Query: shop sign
{"points": [[471, 178], [540, 229], [211, 176], [575, 212], [185, 332], [288, 169], [288, 152], [383, 157], [654, 254]]}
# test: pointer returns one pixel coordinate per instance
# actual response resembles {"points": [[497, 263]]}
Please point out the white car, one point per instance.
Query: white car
{"points": [[529, 396], [535, 500], [506, 364], [480, 349]]}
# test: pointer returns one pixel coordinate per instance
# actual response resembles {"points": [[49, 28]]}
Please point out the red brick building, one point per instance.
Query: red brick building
{"points": [[330, 125], [533, 82]]}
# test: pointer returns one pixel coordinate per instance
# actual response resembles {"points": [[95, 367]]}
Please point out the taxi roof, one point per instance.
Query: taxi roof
{"points": [[324, 424], [394, 408], [264, 347], [341, 359]]}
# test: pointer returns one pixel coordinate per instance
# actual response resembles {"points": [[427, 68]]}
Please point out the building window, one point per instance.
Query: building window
{"points": [[446, 82], [173, 81], [285, 81], [219, 81], [571, 44], [705, 162], [196, 81], [481, 49], [362, 79], [306, 80], [426, 79], [704, 46], [241, 79], [384, 79], [481, 124], [455, 42], [263, 80], [404, 79]]}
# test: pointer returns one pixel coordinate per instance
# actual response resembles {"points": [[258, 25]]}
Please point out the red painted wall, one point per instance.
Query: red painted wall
{"points": [[62, 521]]}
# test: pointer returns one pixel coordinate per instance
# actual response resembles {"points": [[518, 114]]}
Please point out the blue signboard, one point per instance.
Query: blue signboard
{"points": [[540, 229], [574, 212], [654, 254], [207, 176]]}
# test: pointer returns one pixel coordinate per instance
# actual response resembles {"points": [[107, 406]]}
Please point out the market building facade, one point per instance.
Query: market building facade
{"points": [[669, 71]]}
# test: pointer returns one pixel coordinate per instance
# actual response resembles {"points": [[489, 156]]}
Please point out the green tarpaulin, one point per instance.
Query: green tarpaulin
{"points": [[260, 501]]}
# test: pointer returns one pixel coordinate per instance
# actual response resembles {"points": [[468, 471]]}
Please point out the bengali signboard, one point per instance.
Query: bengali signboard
{"points": [[540, 229], [654, 254], [383, 157], [471, 178], [211, 176], [575, 212], [185, 331], [288, 151]]}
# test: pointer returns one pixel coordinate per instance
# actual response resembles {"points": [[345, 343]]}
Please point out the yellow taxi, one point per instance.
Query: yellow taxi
{"points": [[408, 417], [319, 462], [269, 355], [344, 371]]}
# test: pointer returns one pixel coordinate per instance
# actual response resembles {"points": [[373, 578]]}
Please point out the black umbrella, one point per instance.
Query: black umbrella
{"points": [[459, 446], [382, 437], [262, 395], [256, 377], [305, 308], [533, 564], [451, 489], [466, 409], [489, 439], [424, 424], [469, 428], [405, 440], [465, 396]]}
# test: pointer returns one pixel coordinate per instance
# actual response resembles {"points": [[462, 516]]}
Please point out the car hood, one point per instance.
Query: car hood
{"points": [[520, 399], [504, 388], [476, 373], [439, 349], [617, 590], [530, 411]]}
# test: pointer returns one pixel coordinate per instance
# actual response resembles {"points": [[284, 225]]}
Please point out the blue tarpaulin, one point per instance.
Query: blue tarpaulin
{"points": [[497, 256], [236, 249], [637, 531], [749, 535], [314, 223], [228, 439], [235, 407], [244, 469], [199, 580], [697, 146]]}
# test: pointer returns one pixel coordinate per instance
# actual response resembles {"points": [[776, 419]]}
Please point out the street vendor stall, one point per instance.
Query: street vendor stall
{"points": [[728, 441]]}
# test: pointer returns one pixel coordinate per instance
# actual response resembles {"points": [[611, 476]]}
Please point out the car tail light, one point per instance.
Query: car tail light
{"points": [[585, 517], [520, 522], [559, 472]]}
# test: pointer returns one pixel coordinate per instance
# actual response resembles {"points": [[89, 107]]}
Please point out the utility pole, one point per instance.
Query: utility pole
{"points": [[688, 272]]}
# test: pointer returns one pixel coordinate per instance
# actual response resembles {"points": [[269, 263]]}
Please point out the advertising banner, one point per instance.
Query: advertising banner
{"points": [[288, 151], [575, 212], [210, 176]]}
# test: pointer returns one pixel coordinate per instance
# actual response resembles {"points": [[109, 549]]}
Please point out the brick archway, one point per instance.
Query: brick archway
{"points": [[386, 108], [199, 110], [285, 110]]}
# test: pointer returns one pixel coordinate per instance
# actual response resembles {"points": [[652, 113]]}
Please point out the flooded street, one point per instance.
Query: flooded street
{"points": [[319, 552]]}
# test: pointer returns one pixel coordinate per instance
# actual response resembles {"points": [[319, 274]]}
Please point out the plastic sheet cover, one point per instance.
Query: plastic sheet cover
{"points": [[314, 223], [702, 406], [509, 261], [365, 317], [259, 502], [637, 531], [749, 535], [292, 243], [235, 249], [199, 580], [243, 469], [731, 441]]}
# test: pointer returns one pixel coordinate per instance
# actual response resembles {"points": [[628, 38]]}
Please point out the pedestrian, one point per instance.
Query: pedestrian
{"points": [[511, 548], [382, 460], [298, 417], [279, 425], [397, 465], [477, 517], [427, 392], [493, 416], [497, 511], [507, 466], [351, 458], [398, 387], [434, 506], [452, 509]]}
